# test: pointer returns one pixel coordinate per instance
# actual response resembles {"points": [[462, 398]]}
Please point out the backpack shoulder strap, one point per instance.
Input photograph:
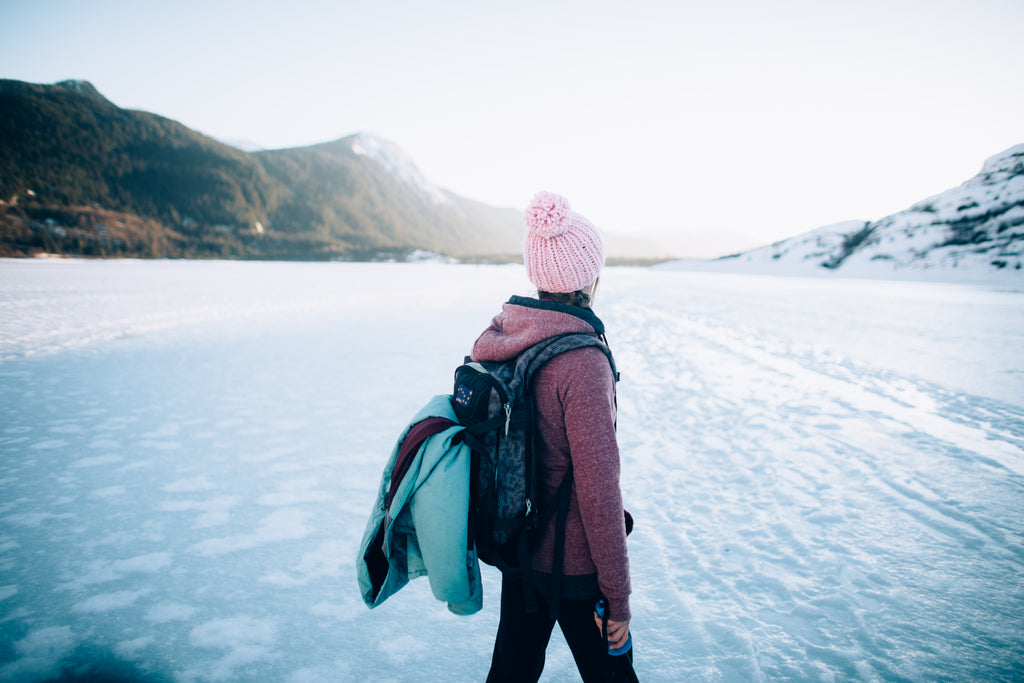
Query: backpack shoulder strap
{"points": [[527, 364], [531, 360]]}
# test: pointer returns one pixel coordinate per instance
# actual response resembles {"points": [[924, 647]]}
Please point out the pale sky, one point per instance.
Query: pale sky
{"points": [[761, 118]]}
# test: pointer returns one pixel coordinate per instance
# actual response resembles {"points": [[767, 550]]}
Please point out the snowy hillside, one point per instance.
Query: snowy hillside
{"points": [[974, 230], [399, 164]]}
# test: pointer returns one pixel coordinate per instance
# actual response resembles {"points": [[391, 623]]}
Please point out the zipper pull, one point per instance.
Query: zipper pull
{"points": [[508, 417]]}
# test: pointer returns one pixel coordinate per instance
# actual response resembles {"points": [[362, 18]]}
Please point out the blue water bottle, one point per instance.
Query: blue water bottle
{"points": [[629, 638]]}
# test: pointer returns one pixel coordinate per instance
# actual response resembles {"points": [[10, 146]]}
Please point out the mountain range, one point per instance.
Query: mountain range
{"points": [[80, 175], [976, 229]]}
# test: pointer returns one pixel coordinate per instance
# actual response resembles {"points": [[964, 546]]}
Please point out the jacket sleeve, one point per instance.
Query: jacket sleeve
{"points": [[439, 511], [588, 400]]}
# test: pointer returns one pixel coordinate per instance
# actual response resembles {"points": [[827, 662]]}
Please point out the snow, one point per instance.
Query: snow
{"points": [[827, 474], [399, 164], [1002, 166], [969, 233]]}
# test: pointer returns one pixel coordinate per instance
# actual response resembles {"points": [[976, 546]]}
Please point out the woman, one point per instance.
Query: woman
{"points": [[574, 396]]}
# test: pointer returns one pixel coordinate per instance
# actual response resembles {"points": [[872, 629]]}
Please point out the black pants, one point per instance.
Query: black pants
{"points": [[522, 639]]}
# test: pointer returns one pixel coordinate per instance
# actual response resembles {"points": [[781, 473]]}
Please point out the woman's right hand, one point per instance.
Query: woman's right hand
{"points": [[618, 631]]}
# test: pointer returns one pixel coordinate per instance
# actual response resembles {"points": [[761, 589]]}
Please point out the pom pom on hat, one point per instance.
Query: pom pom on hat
{"points": [[548, 214], [562, 250]]}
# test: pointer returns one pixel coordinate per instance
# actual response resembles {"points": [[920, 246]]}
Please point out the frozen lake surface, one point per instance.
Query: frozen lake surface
{"points": [[827, 475]]}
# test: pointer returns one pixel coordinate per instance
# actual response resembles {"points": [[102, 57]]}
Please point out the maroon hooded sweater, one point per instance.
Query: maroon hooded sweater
{"points": [[574, 396]]}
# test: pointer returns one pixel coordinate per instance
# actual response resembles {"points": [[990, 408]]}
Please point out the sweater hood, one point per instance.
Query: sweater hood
{"points": [[524, 321]]}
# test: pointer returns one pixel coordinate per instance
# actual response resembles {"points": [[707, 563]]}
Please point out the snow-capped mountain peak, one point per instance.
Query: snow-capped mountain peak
{"points": [[1001, 167], [398, 163]]}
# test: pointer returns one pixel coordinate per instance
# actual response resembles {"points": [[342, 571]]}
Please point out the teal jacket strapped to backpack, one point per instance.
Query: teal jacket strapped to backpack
{"points": [[424, 531]]}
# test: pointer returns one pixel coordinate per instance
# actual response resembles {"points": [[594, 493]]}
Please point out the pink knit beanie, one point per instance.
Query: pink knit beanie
{"points": [[562, 250]]}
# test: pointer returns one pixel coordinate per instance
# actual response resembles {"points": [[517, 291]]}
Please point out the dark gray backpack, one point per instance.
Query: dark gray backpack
{"points": [[494, 402]]}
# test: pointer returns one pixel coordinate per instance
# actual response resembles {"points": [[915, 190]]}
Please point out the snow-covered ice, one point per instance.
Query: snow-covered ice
{"points": [[827, 475]]}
